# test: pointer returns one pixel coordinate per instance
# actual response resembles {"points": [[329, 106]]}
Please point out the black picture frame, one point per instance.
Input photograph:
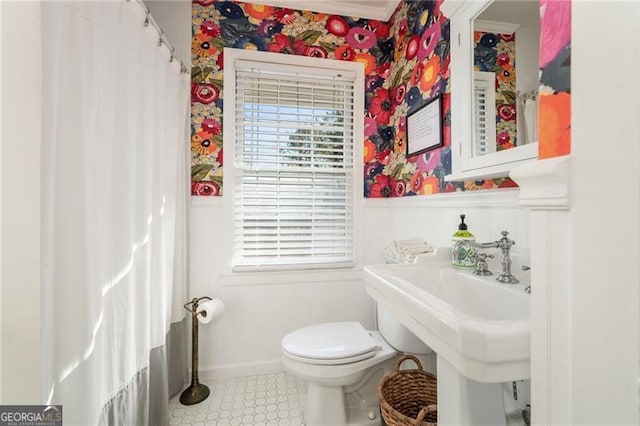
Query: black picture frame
{"points": [[424, 128]]}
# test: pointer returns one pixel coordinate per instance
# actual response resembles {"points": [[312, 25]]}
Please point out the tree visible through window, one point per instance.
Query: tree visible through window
{"points": [[303, 141]]}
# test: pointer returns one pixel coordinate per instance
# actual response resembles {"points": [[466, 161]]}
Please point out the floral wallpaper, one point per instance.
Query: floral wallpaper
{"points": [[406, 64], [494, 52], [554, 106]]}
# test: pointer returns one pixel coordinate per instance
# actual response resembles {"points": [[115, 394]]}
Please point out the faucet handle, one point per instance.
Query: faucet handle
{"points": [[483, 256], [481, 266], [506, 241]]}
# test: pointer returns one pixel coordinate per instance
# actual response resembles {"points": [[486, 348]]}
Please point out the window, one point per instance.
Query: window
{"points": [[484, 110], [294, 177]]}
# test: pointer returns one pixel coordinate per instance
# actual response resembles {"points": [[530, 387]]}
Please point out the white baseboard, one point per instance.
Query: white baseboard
{"points": [[240, 370]]}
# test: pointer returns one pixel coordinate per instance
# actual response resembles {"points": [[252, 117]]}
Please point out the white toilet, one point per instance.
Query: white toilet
{"points": [[342, 364]]}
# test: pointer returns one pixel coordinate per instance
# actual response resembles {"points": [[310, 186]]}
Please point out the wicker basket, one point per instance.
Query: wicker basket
{"points": [[408, 397]]}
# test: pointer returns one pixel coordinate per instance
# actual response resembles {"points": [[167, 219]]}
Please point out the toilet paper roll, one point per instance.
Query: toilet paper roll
{"points": [[210, 311]]}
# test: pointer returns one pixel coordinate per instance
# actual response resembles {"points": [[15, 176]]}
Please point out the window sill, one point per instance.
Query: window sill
{"points": [[290, 277]]}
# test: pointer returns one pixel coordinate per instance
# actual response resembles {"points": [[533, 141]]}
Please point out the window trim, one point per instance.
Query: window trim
{"points": [[229, 135]]}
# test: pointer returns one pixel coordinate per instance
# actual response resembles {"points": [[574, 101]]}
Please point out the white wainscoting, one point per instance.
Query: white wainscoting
{"points": [[259, 312]]}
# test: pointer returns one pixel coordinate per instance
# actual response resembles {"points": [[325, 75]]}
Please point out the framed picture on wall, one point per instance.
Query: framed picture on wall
{"points": [[424, 128]]}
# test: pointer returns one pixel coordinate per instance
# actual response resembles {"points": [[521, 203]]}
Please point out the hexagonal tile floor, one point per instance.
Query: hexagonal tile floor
{"points": [[268, 399]]}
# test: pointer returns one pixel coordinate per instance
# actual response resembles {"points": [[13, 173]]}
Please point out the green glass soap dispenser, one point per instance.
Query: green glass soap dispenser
{"points": [[463, 255]]}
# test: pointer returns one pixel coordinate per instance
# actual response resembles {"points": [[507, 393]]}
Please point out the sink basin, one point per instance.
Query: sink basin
{"points": [[478, 325]]}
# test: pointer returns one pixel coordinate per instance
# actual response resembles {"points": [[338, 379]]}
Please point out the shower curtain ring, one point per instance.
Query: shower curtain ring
{"points": [[160, 39], [173, 52]]}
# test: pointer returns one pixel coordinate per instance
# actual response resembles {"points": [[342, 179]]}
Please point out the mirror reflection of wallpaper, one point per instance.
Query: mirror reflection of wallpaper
{"points": [[554, 107], [493, 52]]}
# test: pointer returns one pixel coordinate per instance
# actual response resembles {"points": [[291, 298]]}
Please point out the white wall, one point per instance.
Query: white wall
{"points": [[527, 67], [1, 193], [247, 339], [605, 281], [20, 264], [174, 17], [527, 71]]}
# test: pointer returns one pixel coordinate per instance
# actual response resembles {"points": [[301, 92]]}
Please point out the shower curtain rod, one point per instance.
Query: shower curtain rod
{"points": [[162, 39]]}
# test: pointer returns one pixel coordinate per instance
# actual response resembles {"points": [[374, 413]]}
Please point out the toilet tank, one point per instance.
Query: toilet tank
{"points": [[399, 336]]}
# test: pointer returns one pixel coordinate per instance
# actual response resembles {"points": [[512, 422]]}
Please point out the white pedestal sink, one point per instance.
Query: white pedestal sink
{"points": [[462, 401], [478, 327]]}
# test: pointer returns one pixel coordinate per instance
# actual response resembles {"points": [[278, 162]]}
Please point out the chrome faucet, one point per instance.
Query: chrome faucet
{"points": [[504, 244]]}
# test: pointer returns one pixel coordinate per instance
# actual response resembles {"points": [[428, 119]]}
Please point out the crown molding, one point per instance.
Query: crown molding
{"points": [[494, 26], [380, 10]]}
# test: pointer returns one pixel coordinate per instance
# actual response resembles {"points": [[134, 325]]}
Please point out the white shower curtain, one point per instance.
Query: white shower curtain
{"points": [[115, 189]]}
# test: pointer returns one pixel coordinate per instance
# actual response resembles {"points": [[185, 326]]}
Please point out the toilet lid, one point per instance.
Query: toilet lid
{"points": [[330, 341]]}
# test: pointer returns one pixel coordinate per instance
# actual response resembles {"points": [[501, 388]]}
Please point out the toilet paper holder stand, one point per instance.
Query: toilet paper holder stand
{"points": [[196, 392]]}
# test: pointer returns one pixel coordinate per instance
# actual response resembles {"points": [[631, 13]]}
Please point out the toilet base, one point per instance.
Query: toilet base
{"points": [[354, 405], [319, 398], [365, 413]]}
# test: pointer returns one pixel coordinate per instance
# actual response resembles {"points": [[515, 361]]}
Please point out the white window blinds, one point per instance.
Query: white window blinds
{"points": [[294, 174], [484, 111]]}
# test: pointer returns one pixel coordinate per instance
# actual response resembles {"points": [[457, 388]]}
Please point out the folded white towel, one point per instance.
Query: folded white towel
{"points": [[405, 251]]}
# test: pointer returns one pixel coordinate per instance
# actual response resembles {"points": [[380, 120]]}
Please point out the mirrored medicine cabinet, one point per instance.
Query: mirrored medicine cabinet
{"points": [[494, 85]]}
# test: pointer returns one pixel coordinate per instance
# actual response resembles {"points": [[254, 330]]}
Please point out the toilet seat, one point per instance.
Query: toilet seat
{"points": [[329, 344], [336, 361]]}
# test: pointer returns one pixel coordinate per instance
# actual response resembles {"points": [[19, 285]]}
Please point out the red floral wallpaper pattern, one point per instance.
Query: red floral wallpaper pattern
{"points": [[406, 64]]}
